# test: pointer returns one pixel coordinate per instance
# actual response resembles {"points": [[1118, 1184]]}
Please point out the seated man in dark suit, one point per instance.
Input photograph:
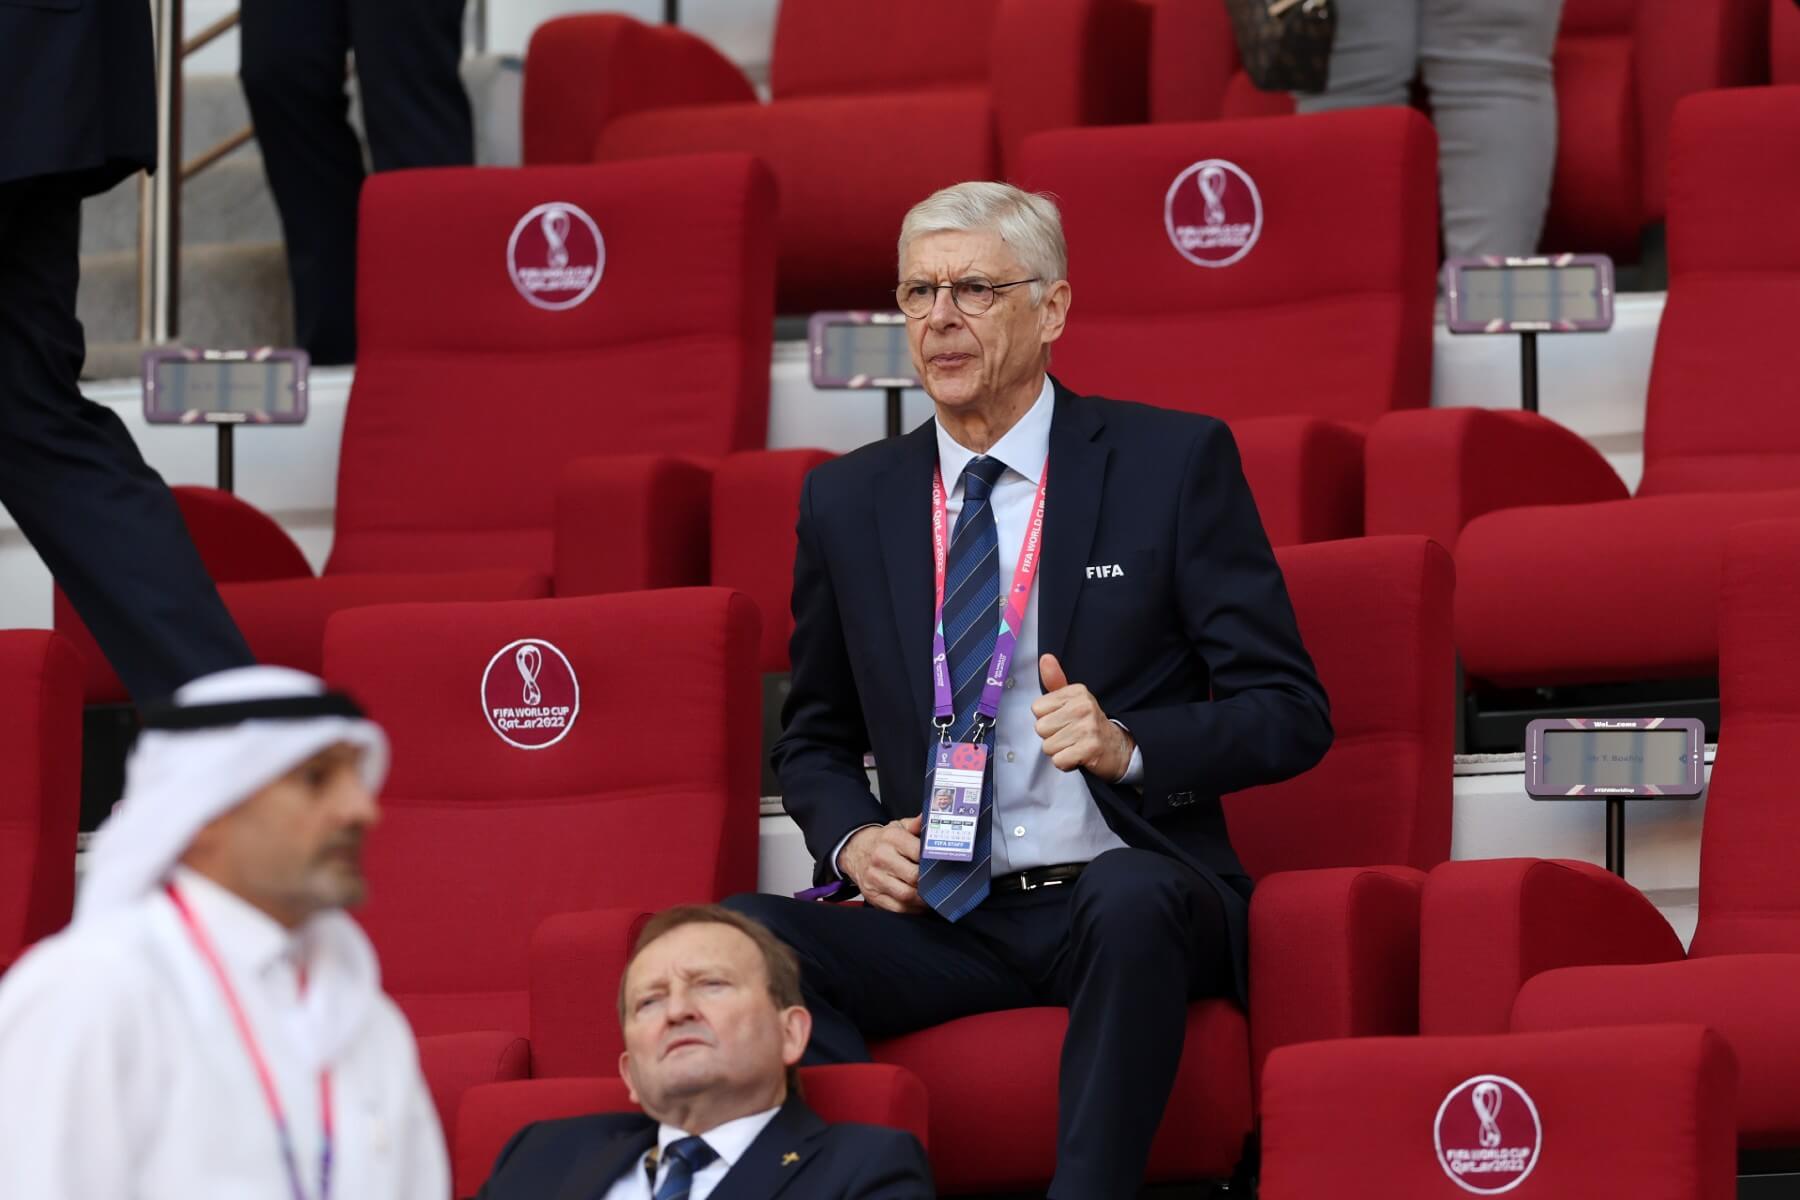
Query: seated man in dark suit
{"points": [[1086, 707], [710, 1007]]}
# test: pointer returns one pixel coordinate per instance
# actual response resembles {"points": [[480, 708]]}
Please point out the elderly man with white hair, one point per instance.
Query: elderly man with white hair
{"points": [[1058, 618], [212, 1025]]}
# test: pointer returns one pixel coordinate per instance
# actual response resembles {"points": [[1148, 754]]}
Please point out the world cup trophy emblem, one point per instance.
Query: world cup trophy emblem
{"points": [[1211, 182], [556, 237], [530, 662]]}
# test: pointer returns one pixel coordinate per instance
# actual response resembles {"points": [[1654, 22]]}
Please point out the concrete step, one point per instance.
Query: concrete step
{"points": [[228, 202], [231, 296]]}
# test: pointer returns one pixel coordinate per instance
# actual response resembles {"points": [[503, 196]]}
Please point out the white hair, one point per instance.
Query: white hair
{"points": [[1028, 222]]}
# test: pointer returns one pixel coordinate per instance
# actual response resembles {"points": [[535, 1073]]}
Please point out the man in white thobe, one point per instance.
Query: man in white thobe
{"points": [[212, 1025]]}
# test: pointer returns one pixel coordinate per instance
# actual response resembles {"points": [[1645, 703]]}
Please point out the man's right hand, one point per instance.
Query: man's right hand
{"points": [[883, 861]]}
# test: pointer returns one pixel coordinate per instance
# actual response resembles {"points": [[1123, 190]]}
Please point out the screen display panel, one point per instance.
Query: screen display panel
{"points": [[185, 389], [1535, 294], [865, 351], [1616, 758]]}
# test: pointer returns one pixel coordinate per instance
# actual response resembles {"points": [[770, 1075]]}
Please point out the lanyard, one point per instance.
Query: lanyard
{"points": [[264, 1076], [1013, 616]]}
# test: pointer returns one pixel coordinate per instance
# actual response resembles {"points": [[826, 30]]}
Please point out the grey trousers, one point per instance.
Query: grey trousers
{"points": [[1486, 67]]}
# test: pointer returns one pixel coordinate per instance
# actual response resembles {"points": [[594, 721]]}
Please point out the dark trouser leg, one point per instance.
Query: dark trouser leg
{"points": [[1145, 936], [101, 519], [293, 76], [414, 105], [870, 974]]}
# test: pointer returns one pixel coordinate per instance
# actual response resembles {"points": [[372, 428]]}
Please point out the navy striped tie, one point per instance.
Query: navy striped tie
{"points": [[684, 1156], [971, 627]]}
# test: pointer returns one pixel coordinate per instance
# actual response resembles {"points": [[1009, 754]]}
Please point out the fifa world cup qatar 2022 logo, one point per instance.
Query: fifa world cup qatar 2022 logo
{"points": [[1488, 1135], [556, 256], [530, 695], [1213, 213]]}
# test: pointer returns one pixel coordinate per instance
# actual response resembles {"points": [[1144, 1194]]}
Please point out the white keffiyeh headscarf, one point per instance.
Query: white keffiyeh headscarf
{"points": [[178, 780]]}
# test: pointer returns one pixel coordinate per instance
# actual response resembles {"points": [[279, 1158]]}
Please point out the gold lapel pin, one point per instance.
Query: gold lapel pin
{"points": [[789, 1159]]}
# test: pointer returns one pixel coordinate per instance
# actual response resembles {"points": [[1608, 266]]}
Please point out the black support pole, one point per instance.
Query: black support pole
{"points": [[893, 412], [1528, 373], [671, 12], [1615, 836], [227, 466]]}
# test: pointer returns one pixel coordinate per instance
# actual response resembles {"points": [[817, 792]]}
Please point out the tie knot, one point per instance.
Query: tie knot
{"points": [[980, 476], [691, 1152]]}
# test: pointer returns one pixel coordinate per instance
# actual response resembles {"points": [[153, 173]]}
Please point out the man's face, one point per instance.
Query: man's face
{"points": [[294, 848], [699, 1019], [965, 360]]}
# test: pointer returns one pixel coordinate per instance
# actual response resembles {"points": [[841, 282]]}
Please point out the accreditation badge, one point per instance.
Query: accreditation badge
{"points": [[953, 802]]}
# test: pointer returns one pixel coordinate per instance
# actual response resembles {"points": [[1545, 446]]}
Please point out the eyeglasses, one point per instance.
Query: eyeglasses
{"points": [[972, 296]]}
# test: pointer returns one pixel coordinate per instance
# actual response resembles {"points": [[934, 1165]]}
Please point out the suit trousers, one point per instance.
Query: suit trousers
{"points": [[70, 475], [414, 109], [1486, 67], [1125, 947]]}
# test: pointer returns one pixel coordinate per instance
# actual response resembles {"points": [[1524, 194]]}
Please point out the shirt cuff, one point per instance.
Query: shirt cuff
{"points": [[839, 871], [1134, 770]]}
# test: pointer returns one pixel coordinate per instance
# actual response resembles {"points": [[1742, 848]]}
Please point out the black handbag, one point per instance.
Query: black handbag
{"points": [[1285, 44]]}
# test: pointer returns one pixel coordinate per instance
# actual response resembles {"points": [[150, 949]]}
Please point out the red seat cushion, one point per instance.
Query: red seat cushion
{"points": [[1527, 608], [850, 165], [971, 1091], [1747, 998], [1639, 1112]]}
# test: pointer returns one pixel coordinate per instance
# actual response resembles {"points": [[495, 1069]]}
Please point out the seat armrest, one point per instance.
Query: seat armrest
{"points": [[631, 522], [1306, 475], [1060, 63], [586, 70], [238, 542], [1334, 953], [755, 507], [1488, 926], [577, 961], [1434, 470]]}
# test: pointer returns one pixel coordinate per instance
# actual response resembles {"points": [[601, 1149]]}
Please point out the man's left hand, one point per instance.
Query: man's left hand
{"points": [[1075, 730]]}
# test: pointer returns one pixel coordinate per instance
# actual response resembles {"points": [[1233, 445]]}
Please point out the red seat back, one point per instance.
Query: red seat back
{"points": [[648, 797], [1376, 616], [1195, 71], [829, 48], [1784, 42], [1749, 890], [469, 398], [1327, 313], [1724, 406], [40, 785], [863, 1093]]}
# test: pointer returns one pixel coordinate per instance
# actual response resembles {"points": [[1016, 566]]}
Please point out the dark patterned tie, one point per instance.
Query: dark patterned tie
{"points": [[684, 1156], [971, 627]]}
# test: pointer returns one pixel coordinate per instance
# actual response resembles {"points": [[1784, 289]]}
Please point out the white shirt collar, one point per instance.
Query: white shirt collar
{"points": [[1024, 448], [244, 935], [729, 1141]]}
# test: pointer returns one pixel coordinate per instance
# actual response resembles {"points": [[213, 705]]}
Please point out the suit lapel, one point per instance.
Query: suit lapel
{"points": [[604, 1160], [1071, 510], [903, 520], [778, 1154]]}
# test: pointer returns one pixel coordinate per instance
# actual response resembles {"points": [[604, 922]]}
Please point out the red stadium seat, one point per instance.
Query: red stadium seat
{"points": [[873, 108], [1560, 945], [496, 448], [40, 785], [1784, 41], [862, 1093], [1322, 323], [1333, 926], [1643, 1112], [1620, 66], [550, 757], [1535, 516]]}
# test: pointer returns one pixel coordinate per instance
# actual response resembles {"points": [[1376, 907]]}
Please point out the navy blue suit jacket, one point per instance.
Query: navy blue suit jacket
{"points": [[797, 1157], [77, 85], [1191, 645]]}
